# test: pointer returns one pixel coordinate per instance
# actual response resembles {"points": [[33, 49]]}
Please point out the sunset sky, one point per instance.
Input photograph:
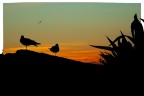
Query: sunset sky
{"points": [[72, 25]]}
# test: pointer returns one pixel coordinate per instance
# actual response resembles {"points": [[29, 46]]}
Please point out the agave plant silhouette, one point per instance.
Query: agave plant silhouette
{"points": [[124, 49], [119, 48]]}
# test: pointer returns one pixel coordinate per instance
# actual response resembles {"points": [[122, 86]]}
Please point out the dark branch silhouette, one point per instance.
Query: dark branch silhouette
{"points": [[28, 42]]}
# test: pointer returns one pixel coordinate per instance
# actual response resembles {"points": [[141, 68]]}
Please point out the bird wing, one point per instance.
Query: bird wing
{"points": [[31, 42]]}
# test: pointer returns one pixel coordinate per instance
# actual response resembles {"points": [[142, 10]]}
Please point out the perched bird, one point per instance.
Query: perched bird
{"points": [[27, 41], [136, 27], [55, 49]]}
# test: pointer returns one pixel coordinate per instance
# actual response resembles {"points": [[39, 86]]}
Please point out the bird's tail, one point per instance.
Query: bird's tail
{"points": [[37, 44]]}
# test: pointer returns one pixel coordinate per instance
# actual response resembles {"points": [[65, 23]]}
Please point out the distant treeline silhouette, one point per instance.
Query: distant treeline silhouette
{"points": [[125, 51]]}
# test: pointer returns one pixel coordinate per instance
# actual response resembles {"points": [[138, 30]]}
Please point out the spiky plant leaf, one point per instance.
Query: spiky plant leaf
{"points": [[114, 54], [131, 39], [113, 44], [119, 43], [124, 41], [103, 47], [118, 38]]}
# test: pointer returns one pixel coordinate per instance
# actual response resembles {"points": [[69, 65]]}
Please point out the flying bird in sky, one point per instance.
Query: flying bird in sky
{"points": [[28, 42], [55, 49], [40, 22]]}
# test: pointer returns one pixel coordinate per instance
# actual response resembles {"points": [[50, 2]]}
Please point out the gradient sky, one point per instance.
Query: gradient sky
{"points": [[72, 25]]}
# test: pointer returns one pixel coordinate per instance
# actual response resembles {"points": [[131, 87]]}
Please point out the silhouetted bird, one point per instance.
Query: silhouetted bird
{"points": [[136, 27], [27, 41], [142, 19], [39, 21], [55, 49], [137, 32]]}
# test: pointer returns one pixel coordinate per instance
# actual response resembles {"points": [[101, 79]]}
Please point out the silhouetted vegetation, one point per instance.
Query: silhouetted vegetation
{"points": [[125, 51]]}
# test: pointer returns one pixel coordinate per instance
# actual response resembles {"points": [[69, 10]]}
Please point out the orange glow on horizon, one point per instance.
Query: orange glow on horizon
{"points": [[90, 55]]}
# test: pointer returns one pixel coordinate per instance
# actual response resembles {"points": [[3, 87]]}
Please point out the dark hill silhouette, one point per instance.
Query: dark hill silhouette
{"points": [[30, 61], [28, 57]]}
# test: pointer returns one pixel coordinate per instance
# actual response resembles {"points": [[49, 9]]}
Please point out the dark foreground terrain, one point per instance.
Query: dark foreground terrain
{"points": [[26, 61], [30, 65], [29, 70]]}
